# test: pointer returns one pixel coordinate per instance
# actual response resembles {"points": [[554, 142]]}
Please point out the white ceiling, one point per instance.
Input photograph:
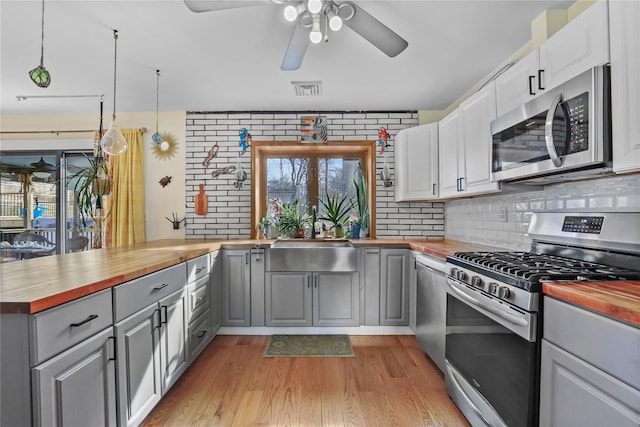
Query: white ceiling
{"points": [[230, 59]]}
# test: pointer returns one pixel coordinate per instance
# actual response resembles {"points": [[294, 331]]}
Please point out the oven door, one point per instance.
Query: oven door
{"points": [[492, 358]]}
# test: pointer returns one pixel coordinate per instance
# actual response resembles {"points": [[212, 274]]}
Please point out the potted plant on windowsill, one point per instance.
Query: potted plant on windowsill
{"points": [[292, 219], [335, 210], [361, 203]]}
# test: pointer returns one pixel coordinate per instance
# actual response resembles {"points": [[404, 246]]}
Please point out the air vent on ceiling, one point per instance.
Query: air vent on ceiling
{"points": [[307, 88]]}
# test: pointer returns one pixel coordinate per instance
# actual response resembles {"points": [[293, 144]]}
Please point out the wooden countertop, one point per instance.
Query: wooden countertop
{"points": [[619, 300]]}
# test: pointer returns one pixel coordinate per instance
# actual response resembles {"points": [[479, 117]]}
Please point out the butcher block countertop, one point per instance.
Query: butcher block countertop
{"points": [[38, 284], [619, 300]]}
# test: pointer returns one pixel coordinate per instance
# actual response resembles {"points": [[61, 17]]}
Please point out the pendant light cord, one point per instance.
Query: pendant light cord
{"points": [[157, 96], [42, 39], [115, 65]]}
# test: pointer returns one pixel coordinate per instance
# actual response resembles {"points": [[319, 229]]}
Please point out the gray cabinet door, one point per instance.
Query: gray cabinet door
{"points": [[173, 336], [77, 387], [370, 276], [394, 287], [575, 393], [413, 292], [336, 299], [216, 292], [236, 304], [139, 367], [288, 299]]}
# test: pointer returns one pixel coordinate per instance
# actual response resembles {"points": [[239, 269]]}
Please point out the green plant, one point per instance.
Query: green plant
{"points": [[292, 216], [335, 209], [361, 204], [89, 185]]}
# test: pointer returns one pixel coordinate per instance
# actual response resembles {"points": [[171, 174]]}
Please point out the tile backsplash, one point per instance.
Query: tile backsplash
{"points": [[229, 214], [480, 220]]}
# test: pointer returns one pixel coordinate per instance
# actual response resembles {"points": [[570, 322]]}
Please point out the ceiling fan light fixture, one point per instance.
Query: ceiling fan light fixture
{"points": [[314, 6], [335, 22], [315, 35], [291, 12]]}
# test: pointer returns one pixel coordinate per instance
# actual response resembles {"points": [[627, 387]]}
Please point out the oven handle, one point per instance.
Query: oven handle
{"points": [[548, 131], [498, 312], [473, 406]]}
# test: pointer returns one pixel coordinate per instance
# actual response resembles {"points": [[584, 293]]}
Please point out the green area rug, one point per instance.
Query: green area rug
{"points": [[309, 346]]}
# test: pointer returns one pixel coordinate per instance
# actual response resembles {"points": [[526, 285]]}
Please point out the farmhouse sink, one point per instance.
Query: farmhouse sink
{"points": [[311, 255]]}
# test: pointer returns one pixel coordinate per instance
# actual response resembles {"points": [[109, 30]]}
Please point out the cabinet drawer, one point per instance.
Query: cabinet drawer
{"points": [[59, 328], [198, 268], [198, 294], [601, 341], [133, 296], [199, 335]]}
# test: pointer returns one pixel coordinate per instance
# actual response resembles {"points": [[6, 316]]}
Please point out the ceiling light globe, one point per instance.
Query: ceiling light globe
{"points": [[315, 37], [164, 146], [290, 13], [314, 6], [335, 23]]}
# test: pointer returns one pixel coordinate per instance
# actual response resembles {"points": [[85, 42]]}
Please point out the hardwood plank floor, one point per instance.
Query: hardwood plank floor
{"points": [[389, 382]]}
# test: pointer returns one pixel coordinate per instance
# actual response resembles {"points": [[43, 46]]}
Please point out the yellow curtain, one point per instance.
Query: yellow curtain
{"points": [[125, 223]]}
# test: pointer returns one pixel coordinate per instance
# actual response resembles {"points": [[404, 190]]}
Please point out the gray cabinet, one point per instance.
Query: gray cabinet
{"points": [[589, 369], [77, 387], [236, 290], [216, 292], [139, 365], [394, 287], [312, 299], [173, 338], [369, 267], [413, 291]]}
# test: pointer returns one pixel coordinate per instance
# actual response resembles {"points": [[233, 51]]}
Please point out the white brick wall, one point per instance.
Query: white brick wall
{"points": [[230, 207], [478, 220]]}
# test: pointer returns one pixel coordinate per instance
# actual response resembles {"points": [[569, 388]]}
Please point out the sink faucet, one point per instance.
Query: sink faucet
{"points": [[313, 221]]}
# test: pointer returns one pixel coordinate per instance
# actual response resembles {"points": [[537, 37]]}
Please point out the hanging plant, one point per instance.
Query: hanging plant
{"points": [[89, 185]]}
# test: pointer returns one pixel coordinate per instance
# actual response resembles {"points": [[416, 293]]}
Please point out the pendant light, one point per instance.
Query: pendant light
{"points": [[156, 137], [113, 142], [39, 75]]}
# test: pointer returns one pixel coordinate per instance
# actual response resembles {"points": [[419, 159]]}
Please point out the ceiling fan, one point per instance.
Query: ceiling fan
{"points": [[310, 17]]}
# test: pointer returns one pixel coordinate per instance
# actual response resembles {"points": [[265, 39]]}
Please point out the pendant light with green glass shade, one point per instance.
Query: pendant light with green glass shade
{"points": [[39, 75], [113, 142]]}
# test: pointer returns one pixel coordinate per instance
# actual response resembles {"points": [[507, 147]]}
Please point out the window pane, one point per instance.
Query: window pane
{"points": [[336, 176], [80, 230], [287, 179]]}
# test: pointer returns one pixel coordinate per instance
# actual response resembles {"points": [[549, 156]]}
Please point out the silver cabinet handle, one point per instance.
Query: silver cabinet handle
{"points": [[157, 288], [202, 333], [548, 131], [200, 299], [198, 270]]}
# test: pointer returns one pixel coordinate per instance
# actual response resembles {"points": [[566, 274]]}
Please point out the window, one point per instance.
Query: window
{"points": [[291, 170]]}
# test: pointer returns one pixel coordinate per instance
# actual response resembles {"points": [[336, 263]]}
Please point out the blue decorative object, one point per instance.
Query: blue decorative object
{"points": [[157, 138], [245, 140]]}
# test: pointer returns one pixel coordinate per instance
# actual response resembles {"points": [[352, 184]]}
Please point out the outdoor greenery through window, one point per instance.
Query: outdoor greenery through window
{"points": [[310, 175]]}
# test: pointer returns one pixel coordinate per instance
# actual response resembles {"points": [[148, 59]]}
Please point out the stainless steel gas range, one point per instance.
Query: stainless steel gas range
{"points": [[494, 312]]}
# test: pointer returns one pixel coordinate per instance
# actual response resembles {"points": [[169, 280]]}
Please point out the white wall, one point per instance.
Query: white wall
{"points": [[159, 202], [229, 213]]}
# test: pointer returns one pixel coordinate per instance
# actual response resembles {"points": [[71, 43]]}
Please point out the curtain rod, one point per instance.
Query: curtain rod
{"points": [[57, 132]]}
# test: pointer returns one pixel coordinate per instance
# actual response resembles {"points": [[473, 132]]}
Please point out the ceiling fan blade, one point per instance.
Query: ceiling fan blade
{"points": [[297, 47], [212, 5], [372, 30]]}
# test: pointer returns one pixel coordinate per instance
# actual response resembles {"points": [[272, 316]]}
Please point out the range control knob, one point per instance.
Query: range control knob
{"points": [[454, 272], [462, 276], [493, 288], [476, 281], [504, 292]]}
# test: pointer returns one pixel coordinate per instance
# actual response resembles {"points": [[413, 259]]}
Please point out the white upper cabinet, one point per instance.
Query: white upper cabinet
{"points": [[625, 85], [465, 147], [416, 163], [581, 44]]}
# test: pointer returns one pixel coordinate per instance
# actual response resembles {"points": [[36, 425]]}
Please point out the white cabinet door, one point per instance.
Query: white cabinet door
{"points": [[449, 131], [416, 163], [477, 113], [173, 338], [518, 84], [580, 45], [625, 84]]}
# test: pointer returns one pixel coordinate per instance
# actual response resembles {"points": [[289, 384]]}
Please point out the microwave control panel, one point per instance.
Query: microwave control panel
{"points": [[583, 224], [578, 114]]}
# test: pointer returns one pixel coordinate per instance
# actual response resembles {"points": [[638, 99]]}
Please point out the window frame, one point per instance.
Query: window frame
{"points": [[262, 150]]}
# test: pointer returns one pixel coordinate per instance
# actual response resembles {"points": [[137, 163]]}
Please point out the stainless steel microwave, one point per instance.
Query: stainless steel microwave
{"points": [[563, 134]]}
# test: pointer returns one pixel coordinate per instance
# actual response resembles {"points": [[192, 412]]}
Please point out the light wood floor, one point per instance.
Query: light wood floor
{"points": [[389, 382]]}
